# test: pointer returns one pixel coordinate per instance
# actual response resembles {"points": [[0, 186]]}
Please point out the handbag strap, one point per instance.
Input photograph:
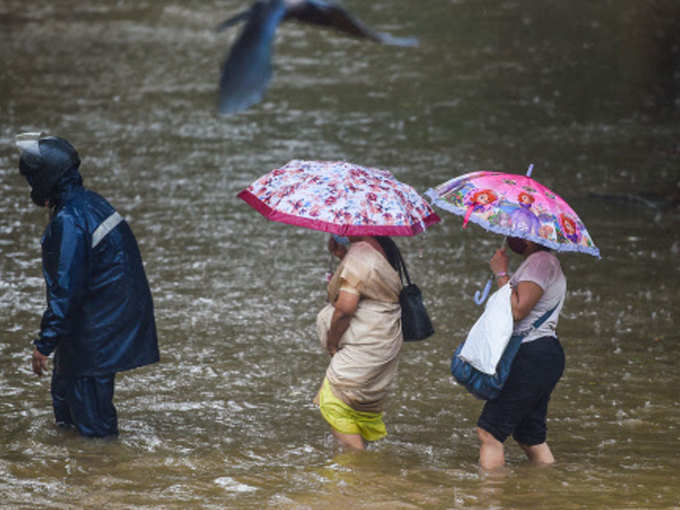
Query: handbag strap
{"points": [[537, 323], [402, 267]]}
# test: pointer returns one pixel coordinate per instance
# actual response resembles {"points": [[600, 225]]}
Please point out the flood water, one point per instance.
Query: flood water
{"points": [[587, 91]]}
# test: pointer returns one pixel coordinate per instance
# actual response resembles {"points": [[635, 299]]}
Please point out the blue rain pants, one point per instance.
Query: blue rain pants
{"points": [[86, 403]]}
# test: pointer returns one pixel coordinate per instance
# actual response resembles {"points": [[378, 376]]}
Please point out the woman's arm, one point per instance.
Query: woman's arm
{"points": [[524, 296], [345, 306]]}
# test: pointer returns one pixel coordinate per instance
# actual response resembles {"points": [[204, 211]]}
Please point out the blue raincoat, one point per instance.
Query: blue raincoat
{"points": [[99, 313]]}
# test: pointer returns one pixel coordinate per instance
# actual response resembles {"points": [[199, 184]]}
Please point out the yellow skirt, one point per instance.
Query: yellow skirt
{"points": [[346, 420]]}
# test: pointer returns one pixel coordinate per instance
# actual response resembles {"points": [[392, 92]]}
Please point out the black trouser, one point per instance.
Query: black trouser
{"points": [[522, 406]]}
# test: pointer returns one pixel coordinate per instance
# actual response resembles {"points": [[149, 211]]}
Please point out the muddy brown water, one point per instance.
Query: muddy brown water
{"points": [[588, 92]]}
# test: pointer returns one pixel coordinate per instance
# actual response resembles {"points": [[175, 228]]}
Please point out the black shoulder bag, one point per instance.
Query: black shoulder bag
{"points": [[415, 323]]}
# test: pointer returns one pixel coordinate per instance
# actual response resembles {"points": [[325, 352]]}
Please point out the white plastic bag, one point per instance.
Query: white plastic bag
{"points": [[489, 336]]}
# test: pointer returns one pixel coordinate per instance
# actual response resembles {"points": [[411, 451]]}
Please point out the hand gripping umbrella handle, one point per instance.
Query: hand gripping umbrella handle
{"points": [[480, 297]]}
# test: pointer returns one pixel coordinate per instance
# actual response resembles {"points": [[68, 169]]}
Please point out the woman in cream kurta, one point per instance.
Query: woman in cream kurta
{"points": [[361, 329]]}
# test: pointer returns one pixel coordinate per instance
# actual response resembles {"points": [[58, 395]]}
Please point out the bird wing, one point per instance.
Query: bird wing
{"points": [[238, 18], [318, 12], [247, 69]]}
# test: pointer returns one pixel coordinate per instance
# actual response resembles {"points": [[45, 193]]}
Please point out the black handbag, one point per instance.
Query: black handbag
{"points": [[415, 323]]}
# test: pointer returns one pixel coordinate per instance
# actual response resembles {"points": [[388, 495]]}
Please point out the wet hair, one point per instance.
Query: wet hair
{"points": [[391, 251], [518, 245]]}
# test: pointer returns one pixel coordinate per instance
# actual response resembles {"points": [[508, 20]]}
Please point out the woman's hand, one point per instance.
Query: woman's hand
{"points": [[336, 248], [499, 267], [499, 262]]}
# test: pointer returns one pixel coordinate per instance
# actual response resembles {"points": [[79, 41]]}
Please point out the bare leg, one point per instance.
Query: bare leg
{"points": [[491, 454], [539, 453], [351, 440]]}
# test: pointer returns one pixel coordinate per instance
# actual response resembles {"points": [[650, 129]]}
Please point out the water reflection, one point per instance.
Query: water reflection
{"points": [[226, 419]]}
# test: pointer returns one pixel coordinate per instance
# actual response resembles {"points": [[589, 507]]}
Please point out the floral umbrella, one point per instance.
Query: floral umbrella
{"points": [[517, 206], [340, 198]]}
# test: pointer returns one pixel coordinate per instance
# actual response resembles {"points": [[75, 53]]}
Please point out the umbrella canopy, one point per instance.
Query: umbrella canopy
{"points": [[517, 206], [341, 198]]}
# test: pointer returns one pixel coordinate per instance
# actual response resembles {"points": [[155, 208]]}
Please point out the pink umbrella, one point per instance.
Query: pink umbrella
{"points": [[514, 205], [340, 198]]}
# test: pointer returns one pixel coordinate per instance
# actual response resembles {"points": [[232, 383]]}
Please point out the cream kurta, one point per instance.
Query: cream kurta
{"points": [[365, 364]]}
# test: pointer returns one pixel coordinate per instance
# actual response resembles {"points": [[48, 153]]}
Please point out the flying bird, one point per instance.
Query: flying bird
{"points": [[247, 69]]}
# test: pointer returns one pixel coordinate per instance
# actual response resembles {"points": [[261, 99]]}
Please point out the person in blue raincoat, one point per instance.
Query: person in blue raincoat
{"points": [[99, 318]]}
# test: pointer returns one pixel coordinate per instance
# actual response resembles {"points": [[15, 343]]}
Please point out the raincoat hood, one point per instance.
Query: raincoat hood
{"points": [[44, 162], [67, 182]]}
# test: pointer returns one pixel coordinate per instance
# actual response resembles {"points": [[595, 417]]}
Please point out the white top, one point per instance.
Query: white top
{"points": [[543, 269]]}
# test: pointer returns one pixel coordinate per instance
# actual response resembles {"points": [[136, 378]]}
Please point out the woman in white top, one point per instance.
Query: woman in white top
{"points": [[538, 286]]}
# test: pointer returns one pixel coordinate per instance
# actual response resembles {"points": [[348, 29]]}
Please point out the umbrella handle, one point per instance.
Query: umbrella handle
{"points": [[480, 297]]}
